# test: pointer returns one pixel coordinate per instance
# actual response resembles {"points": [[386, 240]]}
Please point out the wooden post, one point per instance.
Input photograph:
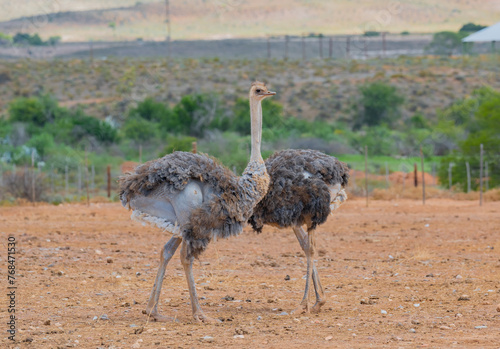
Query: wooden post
{"points": [[468, 176], [268, 49], [109, 180], [415, 175], [66, 180], [423, 175], [486, 176], [383, 44], [320, 38], [481, 176], [387, 174], [330, 48], [33, 176], [366, 174], [87, 176], [287, 38], [348, 47], [303, 48], [450, 166], [195, 148], [92, 181], [79, 181]]}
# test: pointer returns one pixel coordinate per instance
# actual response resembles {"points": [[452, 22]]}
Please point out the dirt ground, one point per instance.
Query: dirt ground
{"points": [[396, 275]]}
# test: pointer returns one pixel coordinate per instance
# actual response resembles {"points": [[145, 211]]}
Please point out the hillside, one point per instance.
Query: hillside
{"points": [[200, 19]]}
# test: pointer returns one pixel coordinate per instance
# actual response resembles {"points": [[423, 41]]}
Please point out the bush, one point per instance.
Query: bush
{"points": [[380, 103], [19, 184], [140, 130], [371, 33], [471, 28], [178, 144], [445, 43]]}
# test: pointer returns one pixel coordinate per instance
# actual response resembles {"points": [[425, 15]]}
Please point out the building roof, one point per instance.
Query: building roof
{"points": [[492, 33]]}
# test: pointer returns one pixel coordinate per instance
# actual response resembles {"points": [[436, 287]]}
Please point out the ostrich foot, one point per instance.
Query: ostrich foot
{"points": [[317, 307], [301, 309], [201, 317], [158, 317]]}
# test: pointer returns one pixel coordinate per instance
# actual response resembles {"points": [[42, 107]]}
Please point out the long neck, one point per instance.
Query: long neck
{"points": [[256, 124]]}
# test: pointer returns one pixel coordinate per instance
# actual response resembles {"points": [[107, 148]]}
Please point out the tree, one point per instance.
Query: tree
{"points": [[445, 43], [140, 130], [380, 104], [471, 28]]}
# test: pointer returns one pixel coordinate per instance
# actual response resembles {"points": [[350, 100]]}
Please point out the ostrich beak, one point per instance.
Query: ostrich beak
{"points": [[269, 93]]}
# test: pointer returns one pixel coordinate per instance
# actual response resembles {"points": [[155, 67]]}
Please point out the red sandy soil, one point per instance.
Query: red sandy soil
{"points": [[393, 274]]}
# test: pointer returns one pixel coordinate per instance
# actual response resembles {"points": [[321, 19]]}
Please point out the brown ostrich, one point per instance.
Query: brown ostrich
{"points": [[306, 186], [195, 198]]}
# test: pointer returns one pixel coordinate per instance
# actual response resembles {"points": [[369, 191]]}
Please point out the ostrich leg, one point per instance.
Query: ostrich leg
{"points": [[166, 255], [309, 250], [318, 289], [187, 263]]}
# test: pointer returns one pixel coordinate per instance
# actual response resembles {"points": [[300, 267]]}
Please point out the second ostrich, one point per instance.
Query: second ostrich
{"points": [[195, 198], [306, 186]]}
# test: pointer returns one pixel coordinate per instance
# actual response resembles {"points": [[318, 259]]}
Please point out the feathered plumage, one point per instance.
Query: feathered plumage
{"points": [[299, 192], [226, 206]]}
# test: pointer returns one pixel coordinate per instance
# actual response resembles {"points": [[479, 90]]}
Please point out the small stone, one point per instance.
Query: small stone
{"points": [[383, 312], [283, 313], [104, 317], [498, 307], [287, 278], [95, 318], [445, 328], [259, 318], [458, 277], [429, 275], [416, 305], [60, 273], [239, 336], [207, 339], [109, 260], [98, 251], [415, 322], [47, 322], [458, 315], [412, 330], [228, 298], [464, 297], [329, 338], [480, 327]]}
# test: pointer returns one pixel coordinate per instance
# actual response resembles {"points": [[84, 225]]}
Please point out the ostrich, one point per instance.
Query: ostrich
{"points": [[306, 186], [195, 198]]}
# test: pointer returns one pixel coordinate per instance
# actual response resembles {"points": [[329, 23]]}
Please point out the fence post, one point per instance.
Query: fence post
{"points": [[66, 179], [387, 174], [348, 47], [486, 176], [287, 38], [303, 48], [423, 175], [108, 171], [87, 176], [268, 49], [383, 44], [92, 181], [195, 148], [320, 38], [468, 176], [366, 174], [481, 176], [450, 166], [415, 175], [330, 48], [33, 176]]}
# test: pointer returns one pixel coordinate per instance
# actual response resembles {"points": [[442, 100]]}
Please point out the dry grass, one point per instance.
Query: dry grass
{"points": [[217, 19]]}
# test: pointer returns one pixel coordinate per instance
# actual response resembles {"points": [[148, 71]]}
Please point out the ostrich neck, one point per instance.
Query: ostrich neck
{"points": [[256, 126]]}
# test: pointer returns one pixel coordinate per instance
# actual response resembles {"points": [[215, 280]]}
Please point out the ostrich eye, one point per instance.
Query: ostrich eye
{"points": [[258, 90]]}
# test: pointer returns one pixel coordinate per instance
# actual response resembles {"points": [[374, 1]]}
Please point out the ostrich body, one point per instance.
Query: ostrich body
{"points": [[306, 186], [196, 198]]}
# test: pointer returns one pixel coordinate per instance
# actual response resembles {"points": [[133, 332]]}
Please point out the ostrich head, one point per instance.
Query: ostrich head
{"points": [[259, 91]]}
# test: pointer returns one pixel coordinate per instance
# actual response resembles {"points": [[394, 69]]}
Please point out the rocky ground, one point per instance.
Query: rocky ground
{"points": [[396, 274]]}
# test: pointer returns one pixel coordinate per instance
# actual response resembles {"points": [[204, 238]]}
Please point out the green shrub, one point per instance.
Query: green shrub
{"points": [[471, 28], [380, 104], [178, 144], [445, 43]]}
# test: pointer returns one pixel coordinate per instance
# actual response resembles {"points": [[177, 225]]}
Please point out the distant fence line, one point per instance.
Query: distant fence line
{"points": [[279, 47]]}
